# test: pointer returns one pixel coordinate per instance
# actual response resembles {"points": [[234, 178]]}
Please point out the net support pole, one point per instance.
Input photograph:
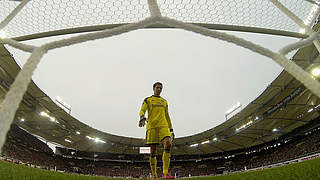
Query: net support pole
{"points": [[297, 20], [18, 45], [99, 35], [312, 38], [312, 2], [154, 8], [315, 15], [16, 92], [13, 14]]}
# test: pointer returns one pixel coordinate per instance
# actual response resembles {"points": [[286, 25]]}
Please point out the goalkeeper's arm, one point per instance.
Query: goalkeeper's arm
{"points": [[143, 110], [172, 134], [142, 121]]}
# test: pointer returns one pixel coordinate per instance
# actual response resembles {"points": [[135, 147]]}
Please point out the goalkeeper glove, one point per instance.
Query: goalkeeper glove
{"points": [[171, 134], [142, 121]]}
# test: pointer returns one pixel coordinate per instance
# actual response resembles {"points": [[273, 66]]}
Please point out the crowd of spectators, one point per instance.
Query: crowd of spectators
{"points": [[22, 147]]}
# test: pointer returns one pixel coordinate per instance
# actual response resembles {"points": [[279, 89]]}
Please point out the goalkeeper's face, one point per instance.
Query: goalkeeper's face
{"points": [[157, 90]]}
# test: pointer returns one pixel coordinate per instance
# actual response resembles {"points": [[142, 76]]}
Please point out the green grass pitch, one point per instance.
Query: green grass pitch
{"points": [[307, 170]]}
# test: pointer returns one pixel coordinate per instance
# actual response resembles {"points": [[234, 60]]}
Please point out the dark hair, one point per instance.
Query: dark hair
{"points": [[157, 83]]}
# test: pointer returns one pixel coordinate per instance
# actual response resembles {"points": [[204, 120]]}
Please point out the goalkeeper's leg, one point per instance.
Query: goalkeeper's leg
{"points": [[166, 157], [153, 161]]}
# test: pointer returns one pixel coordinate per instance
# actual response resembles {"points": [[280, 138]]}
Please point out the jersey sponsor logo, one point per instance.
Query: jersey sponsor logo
{"points": [[157, 105]]}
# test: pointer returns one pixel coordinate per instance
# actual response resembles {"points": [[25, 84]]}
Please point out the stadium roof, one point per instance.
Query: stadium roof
{"points": [[283, 106]]}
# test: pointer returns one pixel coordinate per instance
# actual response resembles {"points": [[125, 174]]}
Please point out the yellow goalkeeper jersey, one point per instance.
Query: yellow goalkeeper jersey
{"points": [[158, 115]]}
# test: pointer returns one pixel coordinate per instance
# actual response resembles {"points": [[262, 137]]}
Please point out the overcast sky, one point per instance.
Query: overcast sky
{"points": [[105, 81]]}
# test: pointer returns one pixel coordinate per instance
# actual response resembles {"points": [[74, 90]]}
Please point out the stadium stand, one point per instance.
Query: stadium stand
{"points": [[23, 148]]}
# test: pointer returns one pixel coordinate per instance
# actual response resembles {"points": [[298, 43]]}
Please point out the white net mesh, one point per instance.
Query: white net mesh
{"points": [[50, 15], [41, 16], [253, 13]]}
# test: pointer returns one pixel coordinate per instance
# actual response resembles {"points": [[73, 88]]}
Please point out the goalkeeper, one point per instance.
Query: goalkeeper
{"points": [[159, 129]]}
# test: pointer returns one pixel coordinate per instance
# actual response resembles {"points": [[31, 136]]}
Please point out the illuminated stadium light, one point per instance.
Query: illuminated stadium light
{"points": [[67, 140], [194, 145], [205, 142], [310, 110], [227, 157], [244, 126], [78, 132], [50, 117], [275, 130], [89, 137], [3, 34], [315, 71], [97, 140], [44, 114]]}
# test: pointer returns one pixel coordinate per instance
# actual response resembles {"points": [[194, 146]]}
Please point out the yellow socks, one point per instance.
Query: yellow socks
{"points": [[153, 165], [166, 161]]}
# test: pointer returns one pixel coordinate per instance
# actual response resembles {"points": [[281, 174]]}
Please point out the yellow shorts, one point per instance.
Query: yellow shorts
{"points": [[156, 135]]}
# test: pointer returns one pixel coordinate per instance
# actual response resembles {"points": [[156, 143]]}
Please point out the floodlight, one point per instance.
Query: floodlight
{"points": [[315, 71], [44, 114], [205, 142], [194, 145], [52, 119]]}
